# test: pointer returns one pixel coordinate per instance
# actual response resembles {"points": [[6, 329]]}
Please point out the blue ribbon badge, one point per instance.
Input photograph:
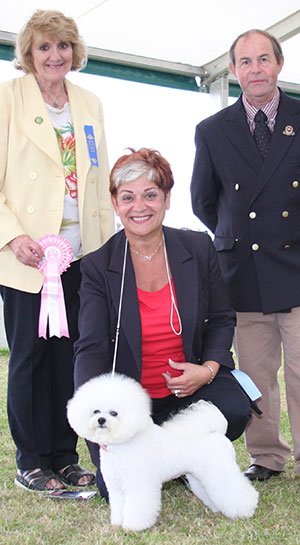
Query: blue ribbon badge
{"points": [[90, 139]]}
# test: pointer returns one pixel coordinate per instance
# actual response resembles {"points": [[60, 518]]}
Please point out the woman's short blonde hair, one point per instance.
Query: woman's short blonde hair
{"points": [[56, 26]]}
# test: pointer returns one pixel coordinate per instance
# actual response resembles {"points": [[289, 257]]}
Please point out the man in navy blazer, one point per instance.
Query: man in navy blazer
{"points": [[250, 200]]}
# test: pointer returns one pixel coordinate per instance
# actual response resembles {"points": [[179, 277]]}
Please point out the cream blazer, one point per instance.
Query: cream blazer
{"points": [[32, 183]]}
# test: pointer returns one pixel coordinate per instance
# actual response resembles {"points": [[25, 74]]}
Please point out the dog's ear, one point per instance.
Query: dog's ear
{"points": [[117, 394], [80, 408]]}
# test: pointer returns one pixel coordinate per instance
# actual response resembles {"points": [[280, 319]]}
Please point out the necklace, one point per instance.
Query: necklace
{"points": [[147, 257], [54, 100]]}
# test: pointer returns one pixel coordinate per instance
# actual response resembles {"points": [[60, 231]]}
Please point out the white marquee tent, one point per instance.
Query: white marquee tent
{"points": [[187, 38]]}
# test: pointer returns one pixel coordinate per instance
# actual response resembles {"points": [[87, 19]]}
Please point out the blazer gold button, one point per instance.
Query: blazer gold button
{"points": [[255, 247], [286, 247], [33, 175], [94, 213], [237, 187], [285, 214], [93, 179], [30, 209], [295, 184], [252, 215]]}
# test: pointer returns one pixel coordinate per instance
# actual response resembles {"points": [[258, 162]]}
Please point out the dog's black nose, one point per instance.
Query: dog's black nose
{"points": [[101, 421]]}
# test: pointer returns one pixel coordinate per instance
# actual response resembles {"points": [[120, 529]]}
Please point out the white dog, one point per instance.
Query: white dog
{"points": [[138, 455]]}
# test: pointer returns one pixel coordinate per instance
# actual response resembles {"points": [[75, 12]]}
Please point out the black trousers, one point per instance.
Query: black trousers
{"points": [[224, 392], [40, 378]]}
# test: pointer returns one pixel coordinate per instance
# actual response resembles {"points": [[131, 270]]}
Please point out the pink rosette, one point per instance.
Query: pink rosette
{"points": [[58, 255]]}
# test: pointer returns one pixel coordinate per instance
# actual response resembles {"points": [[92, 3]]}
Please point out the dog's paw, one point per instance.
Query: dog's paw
{"points": [[116, 526], [116, 520], [137, 526], [243, 506], [139, 521]]}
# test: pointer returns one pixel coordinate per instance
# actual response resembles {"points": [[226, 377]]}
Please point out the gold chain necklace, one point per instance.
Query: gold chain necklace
{"points": [[147, 257], [55, 100]]}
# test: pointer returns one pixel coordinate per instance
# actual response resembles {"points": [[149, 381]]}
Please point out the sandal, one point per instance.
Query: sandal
{"points": [[73, 473], [36, 481]]}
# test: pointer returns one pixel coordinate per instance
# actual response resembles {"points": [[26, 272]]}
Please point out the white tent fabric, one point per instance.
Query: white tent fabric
{"points": [[187, 31]]}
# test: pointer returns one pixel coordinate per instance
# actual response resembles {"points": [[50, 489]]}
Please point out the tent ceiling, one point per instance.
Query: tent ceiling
{"points": [[167, 32]]}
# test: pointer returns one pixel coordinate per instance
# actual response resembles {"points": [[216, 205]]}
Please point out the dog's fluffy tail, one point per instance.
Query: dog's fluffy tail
{"points": [[198, 419]]}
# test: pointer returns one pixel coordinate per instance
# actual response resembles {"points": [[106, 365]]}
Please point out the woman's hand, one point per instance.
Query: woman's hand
{"points": [[26, 250], [193, 377]]}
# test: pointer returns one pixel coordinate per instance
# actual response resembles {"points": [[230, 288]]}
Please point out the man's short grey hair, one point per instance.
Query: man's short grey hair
{"points": [[275, 44]]}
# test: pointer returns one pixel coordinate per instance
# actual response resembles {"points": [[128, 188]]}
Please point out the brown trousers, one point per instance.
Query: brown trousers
{"points": [[260, 340]]}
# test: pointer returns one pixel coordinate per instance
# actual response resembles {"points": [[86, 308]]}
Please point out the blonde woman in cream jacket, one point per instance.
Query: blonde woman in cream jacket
{"points": [[51, 182]]}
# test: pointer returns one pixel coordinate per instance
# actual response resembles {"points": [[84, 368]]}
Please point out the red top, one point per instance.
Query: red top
{"points": [[159, 342]]}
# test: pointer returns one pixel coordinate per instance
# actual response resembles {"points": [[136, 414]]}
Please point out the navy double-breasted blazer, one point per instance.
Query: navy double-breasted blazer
{"points": [[252, 207], [203, 303]]}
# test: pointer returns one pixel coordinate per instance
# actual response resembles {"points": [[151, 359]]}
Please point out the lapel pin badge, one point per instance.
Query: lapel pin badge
{"points": [[289, 131]]}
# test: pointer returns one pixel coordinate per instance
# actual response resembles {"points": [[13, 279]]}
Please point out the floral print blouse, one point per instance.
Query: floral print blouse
{"points": [[63, 126]]}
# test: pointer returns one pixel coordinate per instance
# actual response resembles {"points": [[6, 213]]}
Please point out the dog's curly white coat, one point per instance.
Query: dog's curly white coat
{"points": [[139, 456]]}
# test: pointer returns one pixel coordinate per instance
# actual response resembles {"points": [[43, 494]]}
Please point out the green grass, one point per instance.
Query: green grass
{"points": [[31, 519]]}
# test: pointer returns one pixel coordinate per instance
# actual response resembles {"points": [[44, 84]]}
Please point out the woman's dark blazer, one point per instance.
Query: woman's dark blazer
{"points": [[207, 319]]}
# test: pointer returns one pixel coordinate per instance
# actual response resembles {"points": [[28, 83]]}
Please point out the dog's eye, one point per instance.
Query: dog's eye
{"points": [[113, 413], [96, 411]]}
